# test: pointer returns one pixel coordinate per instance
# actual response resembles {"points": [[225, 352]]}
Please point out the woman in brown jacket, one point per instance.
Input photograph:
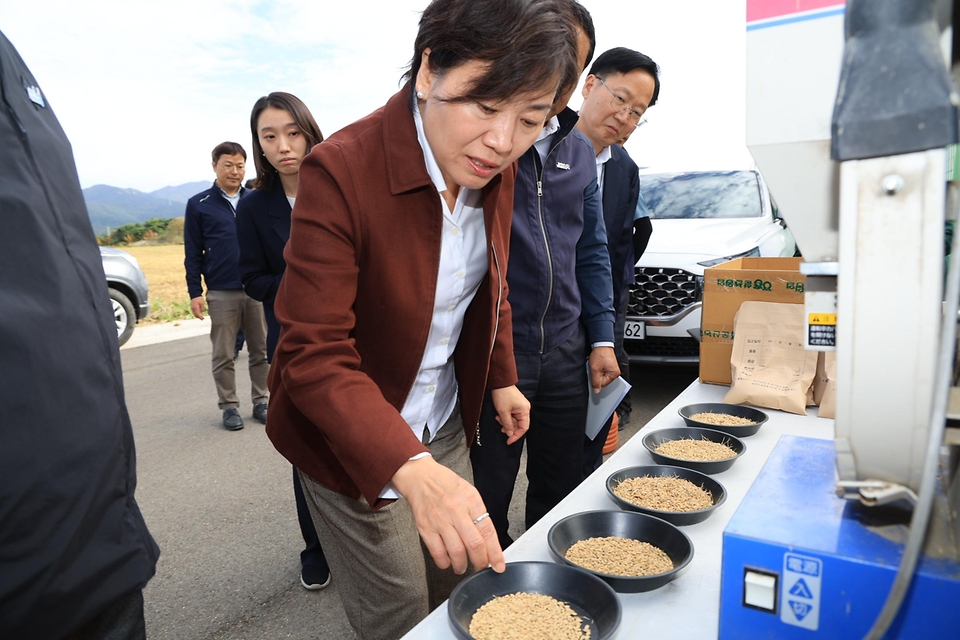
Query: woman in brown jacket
{"points": [[394, 310]]}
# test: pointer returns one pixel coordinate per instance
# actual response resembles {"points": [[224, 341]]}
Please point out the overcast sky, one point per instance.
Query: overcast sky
{"points": [[145, 91]]}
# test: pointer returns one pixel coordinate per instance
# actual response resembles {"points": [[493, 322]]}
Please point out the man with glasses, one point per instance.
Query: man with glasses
{"points": [[211, 250], [621, 86]]}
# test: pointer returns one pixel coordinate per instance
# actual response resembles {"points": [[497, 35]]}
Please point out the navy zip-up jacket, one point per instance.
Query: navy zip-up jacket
{"points": [[559, 272], [210, 243]]}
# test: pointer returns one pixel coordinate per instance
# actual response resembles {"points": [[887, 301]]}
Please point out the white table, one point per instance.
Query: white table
{"points": [[688, 607]]}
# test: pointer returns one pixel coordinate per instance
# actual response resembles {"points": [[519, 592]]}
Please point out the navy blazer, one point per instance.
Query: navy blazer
{"points": [[621, 188], [263, 228]]}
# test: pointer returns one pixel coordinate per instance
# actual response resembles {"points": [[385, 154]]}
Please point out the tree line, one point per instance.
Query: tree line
{"points": [[155, 230]]}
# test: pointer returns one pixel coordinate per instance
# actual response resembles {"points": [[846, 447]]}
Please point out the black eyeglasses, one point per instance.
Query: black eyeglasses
{"points": [[633, 116]]}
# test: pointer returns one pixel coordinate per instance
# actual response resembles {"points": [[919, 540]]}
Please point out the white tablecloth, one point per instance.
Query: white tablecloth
{"points": [[688, 607]]}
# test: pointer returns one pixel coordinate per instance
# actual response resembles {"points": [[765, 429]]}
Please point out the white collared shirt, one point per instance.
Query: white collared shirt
{"points": [[602, 157], [463, 264], [542, 145], [234, 200]]}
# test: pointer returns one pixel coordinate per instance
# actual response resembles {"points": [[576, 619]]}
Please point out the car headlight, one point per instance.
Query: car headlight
{"points": [[753, 253]]}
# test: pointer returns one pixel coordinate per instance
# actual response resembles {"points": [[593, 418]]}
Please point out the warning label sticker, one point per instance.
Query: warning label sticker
{"points": [[800, 589], [819, 335]]}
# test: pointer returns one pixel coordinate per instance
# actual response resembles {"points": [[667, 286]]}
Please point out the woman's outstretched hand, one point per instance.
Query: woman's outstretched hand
{"points": [[445, 507]]}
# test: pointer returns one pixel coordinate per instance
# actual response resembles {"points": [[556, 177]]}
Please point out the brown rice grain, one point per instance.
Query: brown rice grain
{"points": [[664, 493], [725, 419], [527, 616], [619, 556], [702, 450]]}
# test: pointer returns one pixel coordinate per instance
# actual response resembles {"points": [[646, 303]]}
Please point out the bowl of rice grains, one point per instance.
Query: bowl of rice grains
{"points": [[534, 601], [678, 495], [703, 450], [632, 552], [734, 419]]}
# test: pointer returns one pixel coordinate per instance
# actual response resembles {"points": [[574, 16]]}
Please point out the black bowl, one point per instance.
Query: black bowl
{"points": [[588, 595], [679, 518], [655, 438], [759, 417], [623, 524]]}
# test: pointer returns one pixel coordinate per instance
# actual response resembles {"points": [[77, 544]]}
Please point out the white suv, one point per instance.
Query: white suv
{"points": [[699, 219]]}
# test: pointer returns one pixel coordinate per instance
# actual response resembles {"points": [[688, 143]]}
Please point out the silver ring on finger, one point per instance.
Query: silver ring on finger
{"points": [[483, 516]]}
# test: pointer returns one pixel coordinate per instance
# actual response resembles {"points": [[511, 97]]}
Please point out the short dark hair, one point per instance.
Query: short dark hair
{"points": [[227, 149], [585, 21], [525, 44], [580, 19], [623, 60], [266, 172]]}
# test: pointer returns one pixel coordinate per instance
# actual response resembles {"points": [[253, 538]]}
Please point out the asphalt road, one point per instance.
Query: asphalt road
{"points": [[220, 504]]}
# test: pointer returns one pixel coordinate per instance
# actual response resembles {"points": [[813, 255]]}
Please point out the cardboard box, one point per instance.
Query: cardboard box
{"points": [[725, 287]]}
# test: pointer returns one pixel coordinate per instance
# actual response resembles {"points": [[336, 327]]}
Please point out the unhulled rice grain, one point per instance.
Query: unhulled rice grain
{"points": [[619, 556], [724, 419], [664, 493], [527, 616], [702, 450]]}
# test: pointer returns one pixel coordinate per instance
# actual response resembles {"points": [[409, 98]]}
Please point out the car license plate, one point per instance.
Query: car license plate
{"points": [[634, 330]]}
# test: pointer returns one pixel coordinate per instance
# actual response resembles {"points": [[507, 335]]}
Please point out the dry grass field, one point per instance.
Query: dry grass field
{"points": [[163, 266]]}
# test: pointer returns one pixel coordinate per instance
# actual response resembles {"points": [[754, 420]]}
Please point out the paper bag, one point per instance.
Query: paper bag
{"points": [[769, 366], [825, 391]]}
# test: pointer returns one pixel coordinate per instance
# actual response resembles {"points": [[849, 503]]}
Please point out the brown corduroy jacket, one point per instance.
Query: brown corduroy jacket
{"points": [[356, 303]]}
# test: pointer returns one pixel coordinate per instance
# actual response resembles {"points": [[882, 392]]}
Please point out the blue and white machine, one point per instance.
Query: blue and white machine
{"points": [[800, 562], [850, 110]]}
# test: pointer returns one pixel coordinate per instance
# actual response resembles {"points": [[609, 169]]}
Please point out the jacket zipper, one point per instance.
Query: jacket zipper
{"points": [[543, 231]]}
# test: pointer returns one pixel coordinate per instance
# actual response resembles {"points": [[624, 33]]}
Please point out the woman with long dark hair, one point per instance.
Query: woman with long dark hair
{"points": [[393, 308], [283, 132]]}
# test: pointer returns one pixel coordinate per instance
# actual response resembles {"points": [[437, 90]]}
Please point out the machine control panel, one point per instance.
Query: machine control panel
{"points": [[800, 591]]}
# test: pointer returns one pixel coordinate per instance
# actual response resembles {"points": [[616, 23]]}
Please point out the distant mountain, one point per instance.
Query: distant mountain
{"points": [[183, 192], [112, 207]]}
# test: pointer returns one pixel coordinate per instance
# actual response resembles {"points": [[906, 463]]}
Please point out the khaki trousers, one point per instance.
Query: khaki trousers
{"points": [[386, 578], [229, 310]]}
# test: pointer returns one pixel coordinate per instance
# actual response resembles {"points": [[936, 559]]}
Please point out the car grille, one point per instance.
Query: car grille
{"points": [[662, 293], [663, 347]]}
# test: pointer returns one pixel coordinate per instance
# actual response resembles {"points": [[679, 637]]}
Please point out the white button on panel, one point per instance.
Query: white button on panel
{"points": [[455, 232], [431, 389], [451, 308], [760, 590], [444, 340], [460, 275]]}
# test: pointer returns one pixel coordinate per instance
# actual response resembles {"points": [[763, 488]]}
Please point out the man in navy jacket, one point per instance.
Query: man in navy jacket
{"points": [[621, 86], [211, 250], [561, 294]]}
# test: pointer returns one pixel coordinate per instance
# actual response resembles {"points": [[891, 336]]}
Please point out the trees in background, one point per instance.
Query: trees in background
{"points": [[154, 230]]}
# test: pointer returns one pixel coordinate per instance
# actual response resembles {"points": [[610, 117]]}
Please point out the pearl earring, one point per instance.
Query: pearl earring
{"points": [[420, 95]]}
